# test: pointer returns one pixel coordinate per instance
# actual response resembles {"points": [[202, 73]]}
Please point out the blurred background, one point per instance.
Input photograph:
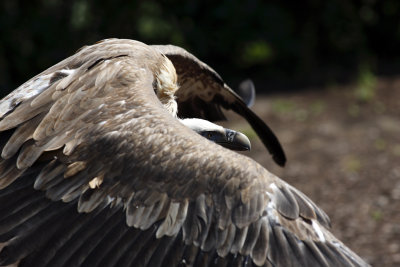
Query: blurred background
{"points": [[289, 45], [327, 75]]}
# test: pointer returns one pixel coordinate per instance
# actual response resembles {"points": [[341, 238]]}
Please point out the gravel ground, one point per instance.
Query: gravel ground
{"points": [[343, 150]]}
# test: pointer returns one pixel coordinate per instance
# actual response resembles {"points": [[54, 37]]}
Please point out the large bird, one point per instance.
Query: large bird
{"points": [[97, 170], [202, 93]]}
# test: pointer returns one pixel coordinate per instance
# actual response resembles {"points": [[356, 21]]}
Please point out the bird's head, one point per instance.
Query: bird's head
{"points": [[225, 137]]}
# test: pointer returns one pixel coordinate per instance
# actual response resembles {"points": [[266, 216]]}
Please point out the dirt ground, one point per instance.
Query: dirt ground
{"points": [[343, 150]]}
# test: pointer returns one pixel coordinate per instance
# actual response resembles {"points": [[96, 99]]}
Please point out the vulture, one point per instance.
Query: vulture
{"points": [[202, 93], [99, 168]]}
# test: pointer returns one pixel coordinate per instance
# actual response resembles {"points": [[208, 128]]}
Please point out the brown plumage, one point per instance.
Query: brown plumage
{"points": [[96, 170]]}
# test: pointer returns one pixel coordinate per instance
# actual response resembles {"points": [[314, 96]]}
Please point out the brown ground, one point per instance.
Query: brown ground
{"points": [[343, 150]]}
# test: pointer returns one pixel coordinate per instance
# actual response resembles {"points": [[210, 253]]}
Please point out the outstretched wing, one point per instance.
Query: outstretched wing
{"points": [[96, 172], [202, 93]]}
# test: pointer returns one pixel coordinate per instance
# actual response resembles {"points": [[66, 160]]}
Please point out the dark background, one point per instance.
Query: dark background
{"points": [[327, 75], [286, 45]]}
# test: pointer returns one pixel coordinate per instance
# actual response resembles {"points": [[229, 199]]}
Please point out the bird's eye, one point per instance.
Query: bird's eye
{"points": [[209, 135]]}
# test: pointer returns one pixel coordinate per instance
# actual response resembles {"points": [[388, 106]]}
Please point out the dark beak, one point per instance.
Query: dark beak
{"points": [[235, 141]]}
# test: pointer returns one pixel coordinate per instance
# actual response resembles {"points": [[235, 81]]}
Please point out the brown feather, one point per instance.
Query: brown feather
{"points": [[286, 203], [90, 199], [173, 220], [20, 135], [225, 244], [74, 168], [239, 240], [21, 114], [9, 175], [48, 173], [260, 249], [251, 238]]}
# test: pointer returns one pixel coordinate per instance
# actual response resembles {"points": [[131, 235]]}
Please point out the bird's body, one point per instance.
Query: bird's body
{"points": [[96, 170]]}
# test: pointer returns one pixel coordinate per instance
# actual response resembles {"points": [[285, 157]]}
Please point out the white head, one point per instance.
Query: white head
{"points": [[225, 137], [199, 125]]}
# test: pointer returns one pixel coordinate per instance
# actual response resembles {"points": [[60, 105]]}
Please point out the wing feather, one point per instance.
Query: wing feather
{"points": [[102, 157], [20, 135], [9, 173]]}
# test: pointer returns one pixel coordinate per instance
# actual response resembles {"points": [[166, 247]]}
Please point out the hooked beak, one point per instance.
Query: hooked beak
{"points": [[234, 140]]}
